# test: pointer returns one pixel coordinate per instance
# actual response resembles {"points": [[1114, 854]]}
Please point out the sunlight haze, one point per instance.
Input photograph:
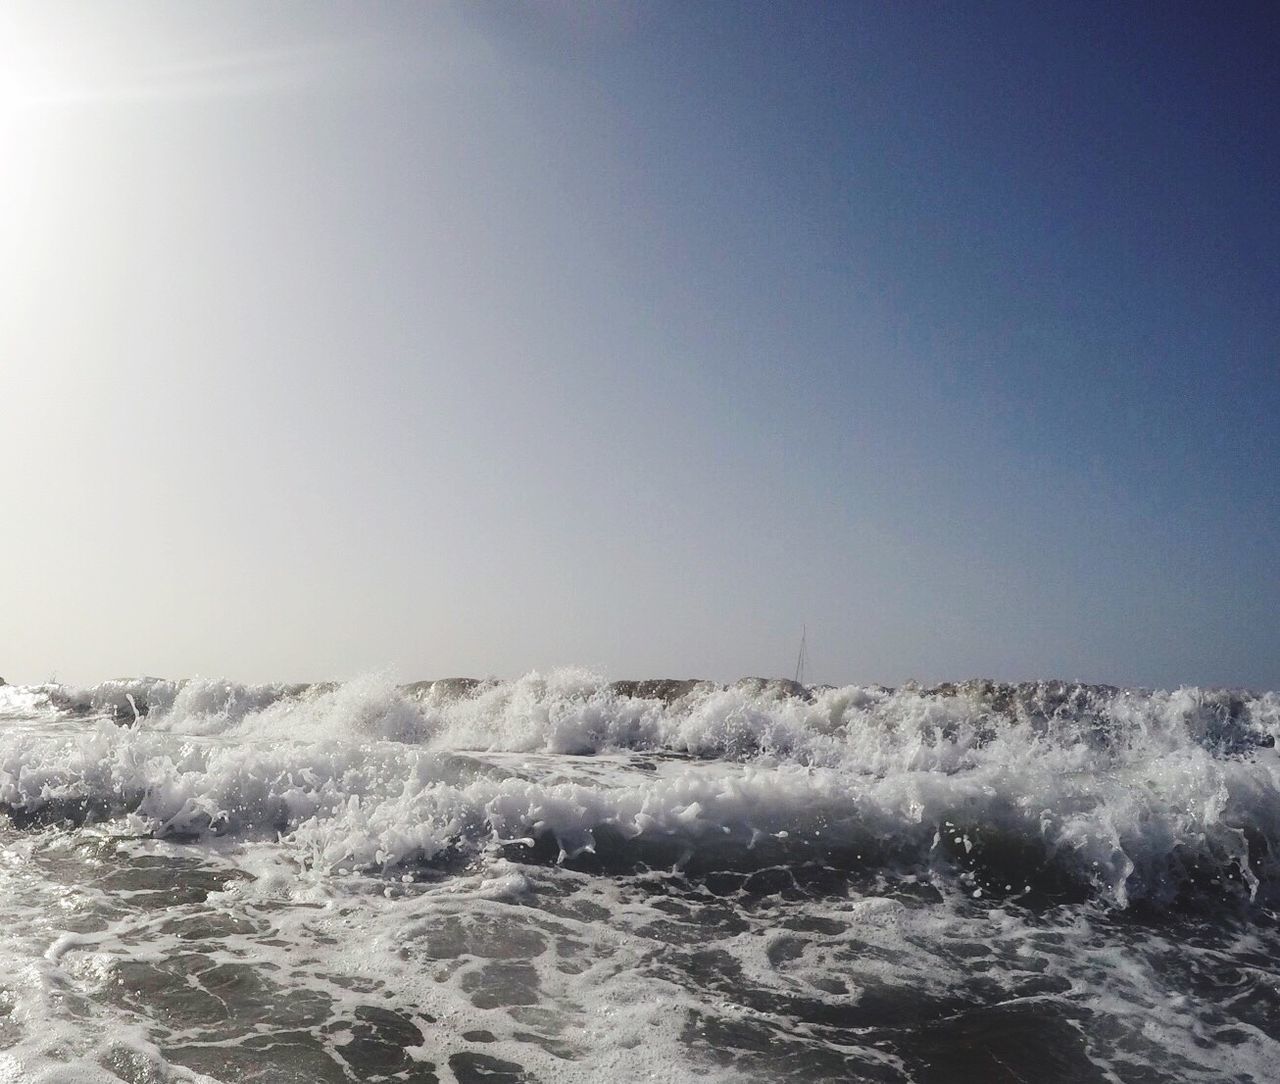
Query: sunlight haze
{"points": [[449, 339]]}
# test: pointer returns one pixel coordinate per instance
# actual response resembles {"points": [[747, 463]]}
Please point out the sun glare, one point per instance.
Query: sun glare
{"points": [[47, 61], [32, 82], [37, 70]]}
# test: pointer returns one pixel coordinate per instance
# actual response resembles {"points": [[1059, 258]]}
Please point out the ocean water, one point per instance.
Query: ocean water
{"points": [[563, 879]]}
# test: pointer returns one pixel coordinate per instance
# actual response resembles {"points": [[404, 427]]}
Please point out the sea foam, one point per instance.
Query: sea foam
{"points": [[1127, 794]]}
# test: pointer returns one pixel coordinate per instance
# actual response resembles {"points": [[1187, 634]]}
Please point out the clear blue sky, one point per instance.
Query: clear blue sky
{"points": [[480, 338]]}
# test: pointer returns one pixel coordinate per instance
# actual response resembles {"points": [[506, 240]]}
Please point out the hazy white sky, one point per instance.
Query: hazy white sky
{"points": [[467, 340]]}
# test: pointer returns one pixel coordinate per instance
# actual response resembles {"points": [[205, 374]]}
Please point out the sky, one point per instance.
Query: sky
{"points": [[473, 339]]}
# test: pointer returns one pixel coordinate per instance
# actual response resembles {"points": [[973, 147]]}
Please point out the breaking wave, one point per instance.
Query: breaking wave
{"points": [[1035, 790]]}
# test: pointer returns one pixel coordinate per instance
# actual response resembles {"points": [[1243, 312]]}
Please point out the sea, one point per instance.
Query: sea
{"points": [[566, 878]]}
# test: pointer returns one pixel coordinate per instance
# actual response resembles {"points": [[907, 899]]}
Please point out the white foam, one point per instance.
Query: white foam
{"points": [[1130, 795]]}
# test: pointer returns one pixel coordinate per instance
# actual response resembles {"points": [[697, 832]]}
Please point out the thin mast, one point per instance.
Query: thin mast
{"points": [[803, 657]]}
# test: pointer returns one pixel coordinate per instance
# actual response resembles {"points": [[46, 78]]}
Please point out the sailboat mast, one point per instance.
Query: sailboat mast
{"points": [[802, 658]]}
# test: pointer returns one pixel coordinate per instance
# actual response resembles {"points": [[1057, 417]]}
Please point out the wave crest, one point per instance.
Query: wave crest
{"points": [[1131, 794]]}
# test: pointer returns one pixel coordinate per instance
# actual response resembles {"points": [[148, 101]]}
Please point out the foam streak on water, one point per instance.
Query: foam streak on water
{"points": [[558, 877]]}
